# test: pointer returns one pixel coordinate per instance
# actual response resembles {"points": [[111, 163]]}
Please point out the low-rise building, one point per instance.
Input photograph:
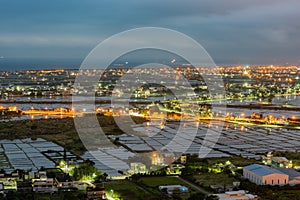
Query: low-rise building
{"points": [[95, 193], [264, 175], [44, 185], [24, 186], [280, 162], [137, 167], [236, 195], [9, 180], [276, 161], [171, 189], [294, 176], [183, 159]]}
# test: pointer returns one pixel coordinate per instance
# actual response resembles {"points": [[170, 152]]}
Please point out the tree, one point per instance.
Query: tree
{"points": [[85, 171], [101, 177]]}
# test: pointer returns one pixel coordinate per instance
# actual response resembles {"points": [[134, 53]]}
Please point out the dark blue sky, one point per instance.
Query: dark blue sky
{"points": [[232, 31]]}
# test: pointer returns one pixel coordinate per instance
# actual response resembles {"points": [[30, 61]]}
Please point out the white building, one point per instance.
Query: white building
{"points": [[236, 195], [137, 167], [264, 175], [170, 189]]}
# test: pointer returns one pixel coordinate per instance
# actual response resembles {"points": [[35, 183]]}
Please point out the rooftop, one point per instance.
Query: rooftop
{"points": [[262, 170], [291, 172], [236, 195]]}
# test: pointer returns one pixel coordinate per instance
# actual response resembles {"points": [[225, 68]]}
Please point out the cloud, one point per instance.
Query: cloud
{"points": [[48, 40], [231, 29]]}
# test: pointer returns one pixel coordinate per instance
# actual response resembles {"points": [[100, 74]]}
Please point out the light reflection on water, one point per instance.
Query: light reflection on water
{"points": [[34, 103]]}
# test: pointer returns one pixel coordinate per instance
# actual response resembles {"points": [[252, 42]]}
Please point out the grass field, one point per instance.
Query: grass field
{"points": [[152, 183], [208, 179], [235, 160], [60, 131], [157, 181], [129, 191], [286, 195]]}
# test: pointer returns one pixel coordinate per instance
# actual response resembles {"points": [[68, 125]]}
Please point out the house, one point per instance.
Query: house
{"points": [[255, 115], [236, 195], [264, 175], [137, 167], [24, 186], [274, 161], [280, 162], [63, 180], [9, 180], [96, 193], [44, 185], [183, 159], [60, 178], [41, 183]]}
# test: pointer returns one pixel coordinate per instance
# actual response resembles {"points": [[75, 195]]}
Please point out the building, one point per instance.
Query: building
{"points": [[44, 185], [95, 193], [171, 189], [60, 178], [24, 186], [255, 115], [9, 180], [236, 195], [294, 176], [264, 175], [280, 162], [183, 159], [274, 161], [137, 167]]}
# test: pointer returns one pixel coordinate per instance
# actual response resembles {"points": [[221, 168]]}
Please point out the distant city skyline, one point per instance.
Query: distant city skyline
{"points": [[53, 34]]}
